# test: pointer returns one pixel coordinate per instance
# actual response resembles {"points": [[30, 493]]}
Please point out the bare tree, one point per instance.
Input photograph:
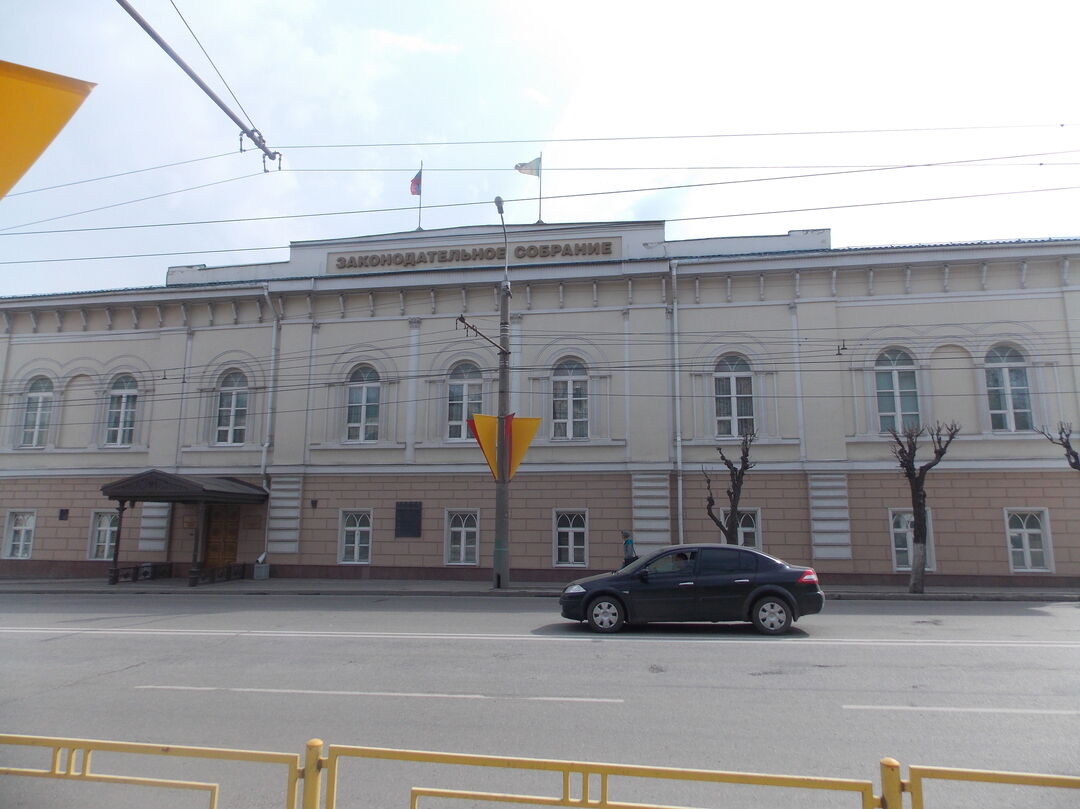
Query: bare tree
{"points": [[729, 526], [1063, 439], [905, 449]]}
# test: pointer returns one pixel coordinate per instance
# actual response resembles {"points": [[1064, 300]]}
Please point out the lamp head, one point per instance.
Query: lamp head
{"points": [[499, 205]]}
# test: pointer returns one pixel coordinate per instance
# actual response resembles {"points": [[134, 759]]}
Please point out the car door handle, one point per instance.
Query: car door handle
{"points": [[686, 584], [742, 581]]}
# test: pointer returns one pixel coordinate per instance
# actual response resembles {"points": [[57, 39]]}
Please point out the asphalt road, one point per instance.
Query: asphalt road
{"points": [[986, 685]]}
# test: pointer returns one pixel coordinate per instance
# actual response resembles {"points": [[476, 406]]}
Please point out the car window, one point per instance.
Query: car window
{"points": [[727, 560], [678, 562]]}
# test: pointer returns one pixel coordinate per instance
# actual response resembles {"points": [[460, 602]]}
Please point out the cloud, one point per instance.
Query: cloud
{"points": [[388, 40]]}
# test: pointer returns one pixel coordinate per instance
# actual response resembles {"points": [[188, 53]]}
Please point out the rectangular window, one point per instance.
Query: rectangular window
{"points": [[120, 420], [355, 537], [1029, 541], [571, 538], [749, 527], [19, 534], [103, 525], [232, 416], [363, 413], [462, 537], [902, 533]]}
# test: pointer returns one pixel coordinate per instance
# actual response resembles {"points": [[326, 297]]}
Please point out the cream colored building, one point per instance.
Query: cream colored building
{"points": [[341, 381]]}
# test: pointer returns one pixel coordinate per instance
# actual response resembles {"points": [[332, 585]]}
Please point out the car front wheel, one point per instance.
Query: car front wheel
{"points": [[605, 615], [771, 616]]}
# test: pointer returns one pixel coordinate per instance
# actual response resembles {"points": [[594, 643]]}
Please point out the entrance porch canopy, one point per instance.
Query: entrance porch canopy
{"points": [[155, 486]]}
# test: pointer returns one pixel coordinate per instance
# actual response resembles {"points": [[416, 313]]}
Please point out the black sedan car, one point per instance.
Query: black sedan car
{"points": [[697, 583]]}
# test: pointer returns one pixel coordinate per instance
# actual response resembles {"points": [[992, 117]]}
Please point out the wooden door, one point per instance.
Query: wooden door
{"points": [[222, 536]]}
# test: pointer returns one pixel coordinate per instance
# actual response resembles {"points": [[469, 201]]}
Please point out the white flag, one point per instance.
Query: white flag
{"points": [[532, 167]]}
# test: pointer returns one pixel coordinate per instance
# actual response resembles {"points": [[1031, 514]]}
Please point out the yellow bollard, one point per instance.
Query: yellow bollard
{"points": [[892, 787], [312, 774]]}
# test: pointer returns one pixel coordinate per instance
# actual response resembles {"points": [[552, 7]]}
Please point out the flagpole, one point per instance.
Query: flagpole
{"points": [[540, 201], [420, 202]]}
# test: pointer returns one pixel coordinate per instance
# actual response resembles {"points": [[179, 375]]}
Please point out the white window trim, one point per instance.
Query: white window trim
{"points": [[480, 384], [94, 516], [555, 512], [931, 557], [342, 514], [9, 528], [569, 421], [751, 374], [364, 386], [1048, 545], [894, 372], [446, 536], [756, 511], [1007, 390], [129, 404]]}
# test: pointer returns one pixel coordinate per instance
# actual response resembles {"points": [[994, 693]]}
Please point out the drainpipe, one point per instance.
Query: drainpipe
{"points": [[677, 403], [181, 422], [268, 441], [793, 308]]}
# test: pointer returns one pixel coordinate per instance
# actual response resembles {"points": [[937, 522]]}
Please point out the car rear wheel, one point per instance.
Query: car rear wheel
{"points": [[605, 614], [771, 615]]}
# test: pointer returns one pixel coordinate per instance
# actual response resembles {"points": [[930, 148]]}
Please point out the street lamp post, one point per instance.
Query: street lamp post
{"points": [[502, 442]]}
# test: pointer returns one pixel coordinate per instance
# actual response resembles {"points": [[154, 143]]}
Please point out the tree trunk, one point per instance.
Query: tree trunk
{"points": [[918, 538]]}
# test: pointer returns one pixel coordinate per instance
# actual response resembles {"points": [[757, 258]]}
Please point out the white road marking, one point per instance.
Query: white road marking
{"points": [[421, 695], [577, 637], [945, 709]]}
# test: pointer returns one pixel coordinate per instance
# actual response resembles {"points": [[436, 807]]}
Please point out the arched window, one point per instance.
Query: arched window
{"points": [[1007, 389], [570, 400], [897, 391], [232, 408], [362, 405], [38, 412], [356, 537], [103, 534], [120, 415], [461, 538], [464, 395], [734, 392]]}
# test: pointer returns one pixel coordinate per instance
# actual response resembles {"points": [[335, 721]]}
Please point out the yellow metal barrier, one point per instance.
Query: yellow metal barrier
{"points": [[919, 774], [70, 759], [584, 771]]}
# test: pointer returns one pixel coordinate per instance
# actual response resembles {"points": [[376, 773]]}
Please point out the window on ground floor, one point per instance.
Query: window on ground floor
{"points": [[902, 532], [749, 527], [19, 535], [462, 537], [355, 537], [1029, 540], [571, 538], [103, 528]]}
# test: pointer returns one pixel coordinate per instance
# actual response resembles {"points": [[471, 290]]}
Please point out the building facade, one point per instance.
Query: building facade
{"points": [[342, 381]]}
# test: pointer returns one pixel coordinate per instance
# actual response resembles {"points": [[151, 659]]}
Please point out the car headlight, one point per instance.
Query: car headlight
{"points": [[573, 589]]}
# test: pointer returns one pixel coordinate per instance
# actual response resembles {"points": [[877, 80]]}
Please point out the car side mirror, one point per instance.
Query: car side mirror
{"points": [[643, 574]]}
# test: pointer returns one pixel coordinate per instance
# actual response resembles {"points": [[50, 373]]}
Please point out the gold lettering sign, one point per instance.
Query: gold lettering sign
{"points": [[475, 255]]}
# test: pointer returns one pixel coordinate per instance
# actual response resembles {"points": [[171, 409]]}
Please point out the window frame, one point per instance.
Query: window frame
{"points": [[9, 533], [471, 402], [365, 387], [1006, 389], [755, 514], [886, 364], [95, 529], [448, 536], [732, 375], [931, 557], [556, 529], [343, 528], [40, 404], [124, 402], [1047, 549], [232, 409], [576, 371]]}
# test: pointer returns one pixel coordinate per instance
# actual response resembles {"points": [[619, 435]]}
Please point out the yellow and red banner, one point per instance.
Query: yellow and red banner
{"points": [[519, 434], [34, 106]]}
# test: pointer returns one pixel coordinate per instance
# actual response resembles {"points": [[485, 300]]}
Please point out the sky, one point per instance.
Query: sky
{"points": [[707, 115]]}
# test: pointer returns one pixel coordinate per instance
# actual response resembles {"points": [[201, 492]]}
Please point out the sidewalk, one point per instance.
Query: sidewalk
{"points": [[391, 587]]}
